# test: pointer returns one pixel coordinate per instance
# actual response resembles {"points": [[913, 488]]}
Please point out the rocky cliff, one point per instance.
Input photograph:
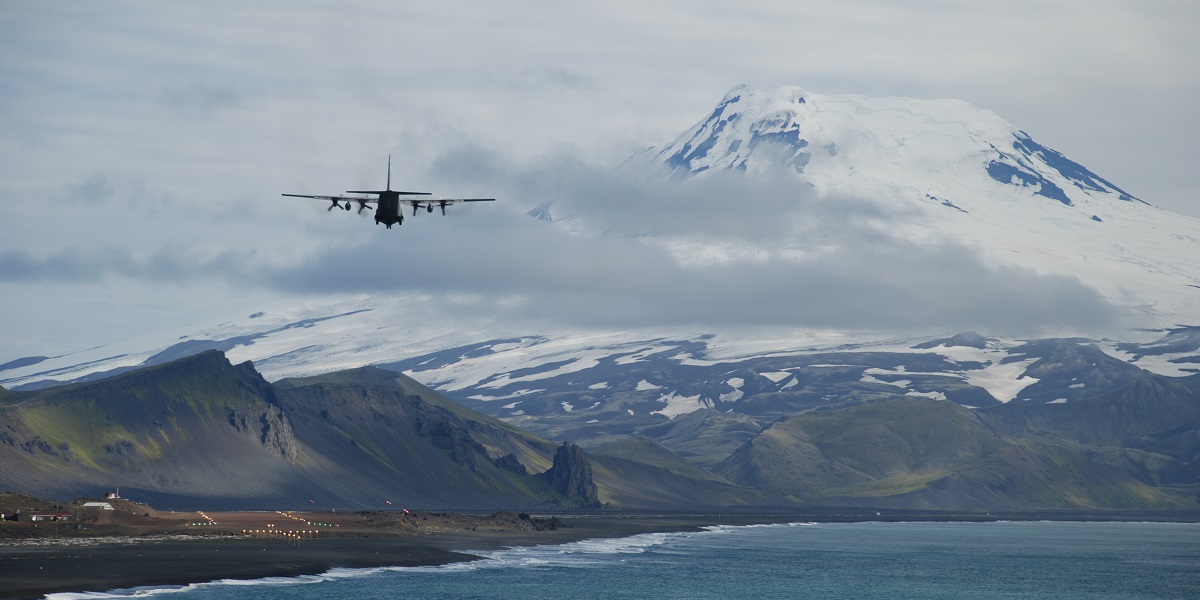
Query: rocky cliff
{"points": [[571, 475]]}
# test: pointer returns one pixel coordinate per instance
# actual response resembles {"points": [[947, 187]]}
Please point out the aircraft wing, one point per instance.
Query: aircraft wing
{"points": [[335, 201], [336, 198], [442, 203]]}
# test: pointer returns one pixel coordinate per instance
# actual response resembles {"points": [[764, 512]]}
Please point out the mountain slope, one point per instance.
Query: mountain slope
{"points": [[704, 437], [202, 431], [903, 442], [919, 453], [378, 441], [1132, 415], [175, 429], [641, 473]]}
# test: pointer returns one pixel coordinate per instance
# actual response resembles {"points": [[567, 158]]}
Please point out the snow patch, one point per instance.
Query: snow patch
{"points": [[736, 383], [678, 405], [930, 395], [641, 355], [1002, 380], [516, 394], [575, 366], [901, 383]]}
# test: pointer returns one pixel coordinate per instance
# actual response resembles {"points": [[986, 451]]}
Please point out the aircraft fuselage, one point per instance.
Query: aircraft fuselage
{"points": [[388, 211]]}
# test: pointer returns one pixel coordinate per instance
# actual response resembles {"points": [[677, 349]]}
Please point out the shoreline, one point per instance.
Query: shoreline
{"points": [[35, 569], [106, 566]]}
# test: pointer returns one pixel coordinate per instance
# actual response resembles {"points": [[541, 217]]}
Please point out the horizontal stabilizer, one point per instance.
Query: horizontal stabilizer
{"points": [[387, 192]]}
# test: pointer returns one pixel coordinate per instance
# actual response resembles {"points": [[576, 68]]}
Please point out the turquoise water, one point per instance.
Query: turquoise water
{"points": [[829, 561]]}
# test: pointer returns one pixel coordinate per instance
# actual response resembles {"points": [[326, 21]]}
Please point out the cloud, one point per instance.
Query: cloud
{"points": [[707, 253], [551, 77], [201, 100], [625, 251]]}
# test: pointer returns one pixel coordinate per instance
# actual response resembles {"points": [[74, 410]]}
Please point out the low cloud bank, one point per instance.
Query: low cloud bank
{"points": [[619, 250]]}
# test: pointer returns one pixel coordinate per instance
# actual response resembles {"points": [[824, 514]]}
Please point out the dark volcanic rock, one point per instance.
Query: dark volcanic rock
{"points": [[571, 474], [510, 462]]}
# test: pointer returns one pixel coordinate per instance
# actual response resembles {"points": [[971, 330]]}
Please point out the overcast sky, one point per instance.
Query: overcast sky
{"points": [[144, 145]]}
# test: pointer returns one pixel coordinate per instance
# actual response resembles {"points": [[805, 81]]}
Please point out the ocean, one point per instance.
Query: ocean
{"points": [[1025, 560]]}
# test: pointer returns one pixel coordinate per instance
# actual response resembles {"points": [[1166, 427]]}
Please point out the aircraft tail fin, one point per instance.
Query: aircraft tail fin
{"points": [[389, 186]]}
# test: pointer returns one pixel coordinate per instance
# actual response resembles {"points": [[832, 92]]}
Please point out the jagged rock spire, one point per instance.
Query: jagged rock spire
{"points": [[571, 474]]}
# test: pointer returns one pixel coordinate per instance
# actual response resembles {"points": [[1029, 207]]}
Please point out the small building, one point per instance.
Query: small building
{"points": [[45, 516], [99, 505]]}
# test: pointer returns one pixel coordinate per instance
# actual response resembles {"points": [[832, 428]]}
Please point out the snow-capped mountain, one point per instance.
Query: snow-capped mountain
{"points": [[946, 171], [929, 172], [937, 145]]}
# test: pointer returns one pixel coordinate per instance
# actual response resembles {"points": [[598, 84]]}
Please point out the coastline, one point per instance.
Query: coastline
{"points": [[33, 570]]}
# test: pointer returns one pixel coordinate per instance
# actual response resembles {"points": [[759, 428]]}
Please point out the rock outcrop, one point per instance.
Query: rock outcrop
{"points": [[571, 475]]}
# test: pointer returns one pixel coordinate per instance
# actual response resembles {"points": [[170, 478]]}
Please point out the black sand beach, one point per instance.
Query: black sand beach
{"points": [[33, 570]]}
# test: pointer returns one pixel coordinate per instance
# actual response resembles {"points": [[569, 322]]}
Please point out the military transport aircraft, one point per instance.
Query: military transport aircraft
{"points": [[389, 204]]}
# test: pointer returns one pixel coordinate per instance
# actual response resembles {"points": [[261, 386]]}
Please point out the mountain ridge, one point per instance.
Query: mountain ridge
{"points": [[202, 431]]}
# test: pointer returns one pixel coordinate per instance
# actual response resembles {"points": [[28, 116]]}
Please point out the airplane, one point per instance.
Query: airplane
{"points": [[389, 204]]}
